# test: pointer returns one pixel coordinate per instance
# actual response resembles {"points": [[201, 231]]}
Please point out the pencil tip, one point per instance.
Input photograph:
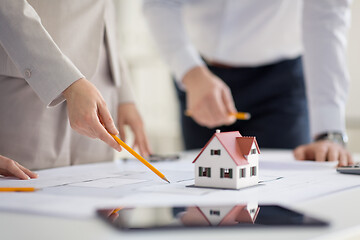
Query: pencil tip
{"points": [[164, 178]]}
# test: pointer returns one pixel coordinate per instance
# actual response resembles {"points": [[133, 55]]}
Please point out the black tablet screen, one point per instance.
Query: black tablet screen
{"points": [[241, 215]]}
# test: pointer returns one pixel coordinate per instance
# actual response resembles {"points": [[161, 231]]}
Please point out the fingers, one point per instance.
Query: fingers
{"points": [[299, 153], [27, 171], [343, 160], [122, 133], [9, 167], [128, 115], [333, 154], [213, 111], [350, 159], [142, 142], [106, 119], [87, 112], [217, 110], [229, 105], [103, 135], [321, 152], [208, 98]]}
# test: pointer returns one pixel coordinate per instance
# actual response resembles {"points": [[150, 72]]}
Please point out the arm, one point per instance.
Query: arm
{"points": [[208, 98], [50, 73], [325, 24], [47, 70]]}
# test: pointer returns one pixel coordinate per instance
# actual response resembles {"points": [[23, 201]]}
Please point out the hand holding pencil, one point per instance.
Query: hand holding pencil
{"points": [[208, 98]]}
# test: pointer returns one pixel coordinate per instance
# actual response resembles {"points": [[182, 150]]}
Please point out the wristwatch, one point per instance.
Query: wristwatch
{"points": [[335, 137]]}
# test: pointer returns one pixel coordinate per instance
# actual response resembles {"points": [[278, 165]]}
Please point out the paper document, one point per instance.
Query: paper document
{"points": [[86, 187]]}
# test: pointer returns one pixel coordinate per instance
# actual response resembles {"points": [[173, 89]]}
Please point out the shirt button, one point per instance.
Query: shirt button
{"points": [[27, 73]]}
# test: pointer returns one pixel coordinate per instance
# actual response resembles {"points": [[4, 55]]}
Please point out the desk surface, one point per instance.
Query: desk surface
{"points": [[340, 208]]}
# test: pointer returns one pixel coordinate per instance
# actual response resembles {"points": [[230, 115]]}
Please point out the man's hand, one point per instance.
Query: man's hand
{"points": [[10, 167], [128, 115], [324, 151], [209, 99], [88, 114]]}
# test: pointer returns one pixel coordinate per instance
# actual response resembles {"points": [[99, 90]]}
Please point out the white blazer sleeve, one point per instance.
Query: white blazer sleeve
{"points": [[325, 24], [47, 70], [125, 91]]}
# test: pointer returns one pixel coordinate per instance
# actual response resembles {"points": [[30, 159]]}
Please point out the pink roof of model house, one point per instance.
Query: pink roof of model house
{"points": [[236, 145]]}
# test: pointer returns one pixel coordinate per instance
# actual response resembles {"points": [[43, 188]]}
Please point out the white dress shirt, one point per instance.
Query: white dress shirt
{"points": [[259, 32]]}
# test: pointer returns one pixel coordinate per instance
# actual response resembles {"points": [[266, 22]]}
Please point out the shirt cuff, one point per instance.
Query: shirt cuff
{"points": [[327, 119], [50, 84], [183, 61], [125, 96]]}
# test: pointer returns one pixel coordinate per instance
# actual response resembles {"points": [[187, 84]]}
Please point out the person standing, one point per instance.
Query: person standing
{"points": [[248, 55], [59, 69]]}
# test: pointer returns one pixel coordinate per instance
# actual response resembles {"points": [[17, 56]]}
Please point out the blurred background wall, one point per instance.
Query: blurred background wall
{"points": [[154, 89]]}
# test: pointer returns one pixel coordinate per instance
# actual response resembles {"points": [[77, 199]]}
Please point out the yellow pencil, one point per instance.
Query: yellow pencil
{"points": [[241, 115], [238, 115], [17, 189], [140, 158], [116, 210]]}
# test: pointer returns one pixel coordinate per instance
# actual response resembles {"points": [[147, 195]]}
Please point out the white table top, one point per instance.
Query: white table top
{"points": [[340, 208]]}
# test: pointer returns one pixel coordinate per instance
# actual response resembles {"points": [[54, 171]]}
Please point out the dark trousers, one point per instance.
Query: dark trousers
{"points": [[275, 97]]}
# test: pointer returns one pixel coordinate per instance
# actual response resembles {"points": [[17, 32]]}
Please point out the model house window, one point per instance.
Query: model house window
{"points": [[242, 172], [252, 171], [215, 212], [204, 172], [226, 173], [215, 152], [253, 151]]}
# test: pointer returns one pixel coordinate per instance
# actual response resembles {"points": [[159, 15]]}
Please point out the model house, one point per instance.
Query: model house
{"points": [[220, 215], [228, 160]]}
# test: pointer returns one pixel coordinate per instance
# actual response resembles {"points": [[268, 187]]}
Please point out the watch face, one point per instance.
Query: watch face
{"points": [[337, 138], [333, 137]]}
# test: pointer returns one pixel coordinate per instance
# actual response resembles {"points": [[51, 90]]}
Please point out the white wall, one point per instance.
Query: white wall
{"points": [[353, 107], [154, 88], [151, 79]]}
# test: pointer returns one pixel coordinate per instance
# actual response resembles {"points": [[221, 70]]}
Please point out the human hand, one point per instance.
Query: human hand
{"points": [[10, 167], [209, 99], [129, 115], [88, 113], [324, 150]]}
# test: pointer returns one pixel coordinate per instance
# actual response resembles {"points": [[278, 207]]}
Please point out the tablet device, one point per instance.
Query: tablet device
{"points": [[191, 217]]}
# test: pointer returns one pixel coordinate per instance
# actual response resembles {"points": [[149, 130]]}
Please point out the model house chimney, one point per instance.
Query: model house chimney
{"points": [[217, 130]]}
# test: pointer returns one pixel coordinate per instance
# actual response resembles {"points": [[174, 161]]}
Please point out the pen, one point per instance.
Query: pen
{"points": [[17, 189], [140, 158], [238, 115]]}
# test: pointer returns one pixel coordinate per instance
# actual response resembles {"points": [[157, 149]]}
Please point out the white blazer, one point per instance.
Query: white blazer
{"points": [[51, 45]]}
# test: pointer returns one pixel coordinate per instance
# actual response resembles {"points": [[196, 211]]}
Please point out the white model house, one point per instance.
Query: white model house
{"points": [[228, 160]]}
